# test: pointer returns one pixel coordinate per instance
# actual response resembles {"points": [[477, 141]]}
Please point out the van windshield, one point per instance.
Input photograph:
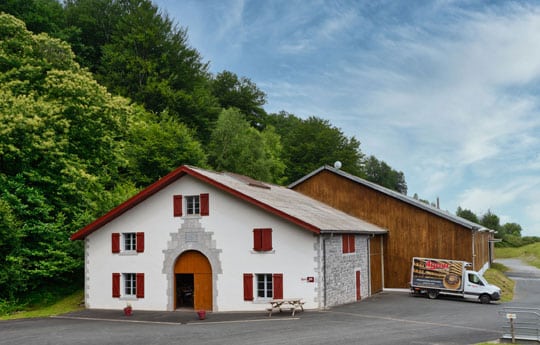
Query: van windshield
{"points": [[473, 278]]}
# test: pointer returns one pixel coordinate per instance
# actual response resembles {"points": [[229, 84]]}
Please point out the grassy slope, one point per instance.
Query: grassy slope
{"points": [[67, 304], [529, 253], [495, 275]]}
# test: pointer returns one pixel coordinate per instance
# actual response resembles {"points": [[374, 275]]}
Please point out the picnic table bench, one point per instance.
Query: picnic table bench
{"points": [[285, 303]]}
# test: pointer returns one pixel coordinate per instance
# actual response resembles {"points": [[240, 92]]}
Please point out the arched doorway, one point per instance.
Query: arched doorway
{"points": [[193, 281]]}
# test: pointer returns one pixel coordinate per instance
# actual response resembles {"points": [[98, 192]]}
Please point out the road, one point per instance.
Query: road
{"points": [[391, 317], [527, 278]]}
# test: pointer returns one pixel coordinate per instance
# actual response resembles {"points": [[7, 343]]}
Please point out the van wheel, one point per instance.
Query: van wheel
{"points": [[432, 294], [485, 299]]}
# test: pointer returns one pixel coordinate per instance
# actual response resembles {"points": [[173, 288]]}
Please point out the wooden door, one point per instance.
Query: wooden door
{"points": [[358, 286], [193, 262], [375, 264]]}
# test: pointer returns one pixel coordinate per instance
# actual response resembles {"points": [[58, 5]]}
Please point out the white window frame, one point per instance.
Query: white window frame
{"points": [[129, 285], [193, 205], [264, 286], [129, 242]]}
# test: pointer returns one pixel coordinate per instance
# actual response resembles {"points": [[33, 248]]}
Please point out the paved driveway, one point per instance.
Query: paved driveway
{"points": [[392, 317], [387, 318]]}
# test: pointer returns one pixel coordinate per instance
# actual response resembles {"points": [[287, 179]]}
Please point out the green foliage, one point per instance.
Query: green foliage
{"points": [[61, 153], [240, 93], [157, 145], [529, 253], [495, 276], [237, 147], [509, 233], [70, 150], [467, 214], [311, 143], [382, 174], [39, 15]]}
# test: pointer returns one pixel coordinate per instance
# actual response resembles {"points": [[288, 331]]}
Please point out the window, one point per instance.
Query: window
{"points": [[264, 285], [192, 204], [262, 240], [267, 286], [131, 242], [348, 243], [132, 285], [473, 278]]}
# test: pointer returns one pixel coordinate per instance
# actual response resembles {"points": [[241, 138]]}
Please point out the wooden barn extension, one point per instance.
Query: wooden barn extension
{"points": [[414, 228]]}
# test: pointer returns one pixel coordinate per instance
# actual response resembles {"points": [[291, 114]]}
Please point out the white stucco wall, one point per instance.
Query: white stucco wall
{"points": [[230, 223]]}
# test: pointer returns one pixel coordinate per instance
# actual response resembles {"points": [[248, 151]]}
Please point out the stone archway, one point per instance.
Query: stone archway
{"points": [[195, 264], [191, 236]]}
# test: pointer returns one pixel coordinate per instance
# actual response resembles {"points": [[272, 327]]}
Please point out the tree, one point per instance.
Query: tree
{"points": [[491, 221], [157, 145], [39, 15], [382, 174], [311, 143], [93, 23], [237, 147], [61, 156], [467, 214], [512, 229], [241, 93]]}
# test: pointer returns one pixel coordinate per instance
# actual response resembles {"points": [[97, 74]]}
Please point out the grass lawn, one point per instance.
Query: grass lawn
{"points": [[529, 253], [65, 305], [495, 275]]}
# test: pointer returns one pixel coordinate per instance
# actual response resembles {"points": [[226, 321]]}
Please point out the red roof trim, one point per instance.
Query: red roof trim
{"points": [[164, 182]]}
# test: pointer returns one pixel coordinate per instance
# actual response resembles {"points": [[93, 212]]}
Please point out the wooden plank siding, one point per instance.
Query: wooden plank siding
{"points": [[412, 231], [376, 264]]}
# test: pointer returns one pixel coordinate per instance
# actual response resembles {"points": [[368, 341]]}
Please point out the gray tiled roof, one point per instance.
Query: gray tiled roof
{"points": [[290, 204]]}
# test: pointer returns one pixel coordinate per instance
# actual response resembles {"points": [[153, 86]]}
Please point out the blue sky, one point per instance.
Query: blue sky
{"points": [[445, 91]]}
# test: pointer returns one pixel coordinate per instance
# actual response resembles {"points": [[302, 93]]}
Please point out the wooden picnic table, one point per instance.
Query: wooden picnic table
{"points": [[285, 303]]}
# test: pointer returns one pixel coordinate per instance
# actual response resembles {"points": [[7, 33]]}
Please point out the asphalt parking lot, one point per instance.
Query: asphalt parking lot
{"points": [[391, 317]]}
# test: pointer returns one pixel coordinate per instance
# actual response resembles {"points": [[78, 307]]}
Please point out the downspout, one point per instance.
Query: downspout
{"points": [[324, 270], [473, 248], [368, 241]]}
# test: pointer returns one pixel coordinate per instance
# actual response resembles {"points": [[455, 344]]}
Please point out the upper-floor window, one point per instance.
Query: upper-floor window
{"points": [[348, 243], [262, 240], [130, 241], [127, 242], [192, 204]]}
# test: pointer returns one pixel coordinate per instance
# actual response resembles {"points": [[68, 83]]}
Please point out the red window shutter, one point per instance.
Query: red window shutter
{"points": [[345, 243], [116, 284], [140, 285], [204, 204], [352, 244], [115, 240], [278, 286], [177, 206], [140, 242], [257, 239], [266, 239], [248, 287]]}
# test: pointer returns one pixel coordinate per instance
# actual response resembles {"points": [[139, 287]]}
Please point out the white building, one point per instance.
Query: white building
{"points": [[223, 242]]}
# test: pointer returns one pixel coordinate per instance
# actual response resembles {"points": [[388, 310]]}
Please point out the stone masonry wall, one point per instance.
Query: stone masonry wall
{"points": [[341, 270]]}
